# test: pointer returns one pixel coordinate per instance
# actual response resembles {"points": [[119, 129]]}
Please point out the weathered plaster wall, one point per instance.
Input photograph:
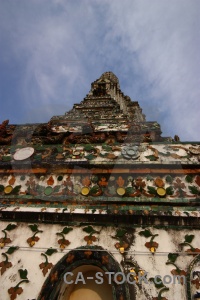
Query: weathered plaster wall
{"points": [[28, 254]]}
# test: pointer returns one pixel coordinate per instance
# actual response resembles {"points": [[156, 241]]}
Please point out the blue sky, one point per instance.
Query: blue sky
{"points": [[51, 51]]}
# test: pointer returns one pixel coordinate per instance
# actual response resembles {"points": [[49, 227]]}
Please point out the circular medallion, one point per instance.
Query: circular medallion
{"points": [[60, 178], [23, 153], [48, 190], [76, 153], [85, 191], [161, 191], [121, 191], [77, 188], [194, 150], [130, 152], [8, 189]]}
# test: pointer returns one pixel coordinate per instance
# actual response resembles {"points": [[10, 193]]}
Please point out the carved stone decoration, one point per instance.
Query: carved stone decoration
{"points": [[130, 152], [5, 137], [195, 150]]}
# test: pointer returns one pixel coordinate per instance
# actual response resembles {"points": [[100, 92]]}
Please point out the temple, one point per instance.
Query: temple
{"points": [[96, 204]]}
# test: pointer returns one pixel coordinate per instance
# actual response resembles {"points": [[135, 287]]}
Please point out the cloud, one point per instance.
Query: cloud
{"points": [[165, 39], [59, 47]]}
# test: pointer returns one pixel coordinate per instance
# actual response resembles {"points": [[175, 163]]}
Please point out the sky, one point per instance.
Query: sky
{"points": [[52, 50]]}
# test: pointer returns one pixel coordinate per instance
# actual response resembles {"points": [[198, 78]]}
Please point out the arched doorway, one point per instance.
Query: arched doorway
{"points": [[193, 279], [86, 285], [60, 284]]}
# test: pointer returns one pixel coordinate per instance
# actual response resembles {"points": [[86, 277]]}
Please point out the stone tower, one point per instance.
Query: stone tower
{"points": [[96, 204]]}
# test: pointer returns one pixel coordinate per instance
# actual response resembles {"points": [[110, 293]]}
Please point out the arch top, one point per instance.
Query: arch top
{"points": [[97, 258]]}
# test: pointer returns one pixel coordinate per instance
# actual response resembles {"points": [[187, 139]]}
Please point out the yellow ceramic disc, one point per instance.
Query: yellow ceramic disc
{"points": [[8, 189], [85, 191], [121, 191], [161, 191]]}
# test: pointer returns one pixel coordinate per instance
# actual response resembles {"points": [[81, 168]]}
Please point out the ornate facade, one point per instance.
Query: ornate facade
{"points": [[98, 189]]}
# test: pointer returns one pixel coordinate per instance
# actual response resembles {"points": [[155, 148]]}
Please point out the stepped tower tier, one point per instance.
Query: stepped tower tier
{"points": [[106, 109], [106, 101], [104, 113]]}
